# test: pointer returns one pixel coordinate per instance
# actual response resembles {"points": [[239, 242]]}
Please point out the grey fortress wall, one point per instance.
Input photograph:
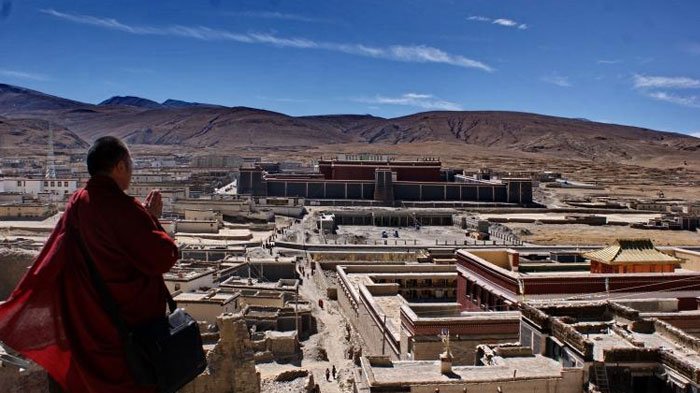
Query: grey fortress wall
{"points": [[253, 182]]}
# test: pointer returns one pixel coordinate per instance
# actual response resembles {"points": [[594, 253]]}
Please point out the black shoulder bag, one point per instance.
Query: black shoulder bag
{"points": [[166, 352]]}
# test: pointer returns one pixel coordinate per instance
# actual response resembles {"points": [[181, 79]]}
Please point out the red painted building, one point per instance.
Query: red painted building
{"points": [[497, 279], [384, 181], [419, 170]]}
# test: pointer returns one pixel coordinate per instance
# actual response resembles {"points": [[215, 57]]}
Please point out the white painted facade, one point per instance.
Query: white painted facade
{"points": [[57, 188], [188, 281], [60, 188]]}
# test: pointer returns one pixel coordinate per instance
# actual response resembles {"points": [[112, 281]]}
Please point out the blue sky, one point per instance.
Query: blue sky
{"points": [[628, 62]]}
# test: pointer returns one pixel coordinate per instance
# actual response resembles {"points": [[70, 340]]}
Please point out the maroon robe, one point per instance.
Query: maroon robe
{"points": [[55, 316]]}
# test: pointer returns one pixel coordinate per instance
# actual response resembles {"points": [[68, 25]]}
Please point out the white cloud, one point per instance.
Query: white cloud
{"points": [[479, 18], [498, 21], [425, 101], [558, 80], [509, 23], [689, 101], [680, 82], [646, 84], [505, 22], [604, 61], [23, 75], [695, 134], [427, 54], [279, 15], [403, 53], [418, 96]]}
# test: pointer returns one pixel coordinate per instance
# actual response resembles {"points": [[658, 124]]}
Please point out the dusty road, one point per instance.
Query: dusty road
{"points": [[321, 351]]}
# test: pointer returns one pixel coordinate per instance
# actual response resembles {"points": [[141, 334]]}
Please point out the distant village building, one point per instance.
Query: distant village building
{"points": [[171, 191], [400, 309], [228, 206], [382, 180], [499, 279], [677, 222], [499, 369], [196, 226], [216, 161], [181, 279], [207, 306], [619, 347], [25, 210], [631, 256], [57, 189]]}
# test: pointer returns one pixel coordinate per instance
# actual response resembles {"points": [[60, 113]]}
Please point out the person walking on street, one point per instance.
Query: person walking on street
{"points": [[328, 375], [333, 371]]}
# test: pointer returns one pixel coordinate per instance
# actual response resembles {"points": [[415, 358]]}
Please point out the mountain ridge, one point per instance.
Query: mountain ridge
{"points": [[196, 125], [140, 102]]}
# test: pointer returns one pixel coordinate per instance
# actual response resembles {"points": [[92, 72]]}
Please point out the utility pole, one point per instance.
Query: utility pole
{"points": [[296, 311], [50, 158], [250, 266], [384, 335]]}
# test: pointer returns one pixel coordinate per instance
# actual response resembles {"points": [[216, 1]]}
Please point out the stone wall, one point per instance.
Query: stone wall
{"points": [[12, 380], [332, 259], [566, 333], [276, 346], [14, 263], [463, 348], [677, 335], [282, 344], [231, 364], [368, 325]]}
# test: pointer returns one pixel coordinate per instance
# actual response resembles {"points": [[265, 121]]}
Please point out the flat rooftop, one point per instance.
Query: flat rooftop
{"points": [[391, 307], [617, 333], [428, 372], [203, 297], [613, 340], [283, 284], [533, 265], [186, 274]]}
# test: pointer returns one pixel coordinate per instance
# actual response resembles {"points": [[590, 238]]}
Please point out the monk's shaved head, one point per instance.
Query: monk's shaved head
{"points": [[105, 154]]}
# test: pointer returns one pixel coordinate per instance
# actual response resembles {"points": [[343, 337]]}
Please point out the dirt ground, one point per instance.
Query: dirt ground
{"points": [[321, 351], [617, 217], [578, 234], [555, 197], [427, 235]]}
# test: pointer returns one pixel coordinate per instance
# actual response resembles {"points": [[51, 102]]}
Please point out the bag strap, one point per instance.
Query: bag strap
{"points": [[108, 302], [169, 298]]}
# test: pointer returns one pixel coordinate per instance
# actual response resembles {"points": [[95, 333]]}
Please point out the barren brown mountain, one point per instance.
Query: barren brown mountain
{"points": [[29, 133], [199, 126]]}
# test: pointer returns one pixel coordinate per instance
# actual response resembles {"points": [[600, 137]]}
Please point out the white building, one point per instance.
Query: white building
{"points": [[57, 189], [21, 185], [207, 306], [60, 188], [189, 279]]}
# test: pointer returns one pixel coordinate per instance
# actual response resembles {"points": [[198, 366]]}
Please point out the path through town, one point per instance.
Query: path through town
{"points": [[321, 351]]}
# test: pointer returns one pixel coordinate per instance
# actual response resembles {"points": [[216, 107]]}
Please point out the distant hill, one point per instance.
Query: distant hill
{"points": [[139, 102], [130, 101], [34, 133], [529, 132], [170, 103], [181, 123], [15, 99]]}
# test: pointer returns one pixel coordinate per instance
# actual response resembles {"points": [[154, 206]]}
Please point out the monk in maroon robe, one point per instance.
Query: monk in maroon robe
{"points": [[55, 316]]}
